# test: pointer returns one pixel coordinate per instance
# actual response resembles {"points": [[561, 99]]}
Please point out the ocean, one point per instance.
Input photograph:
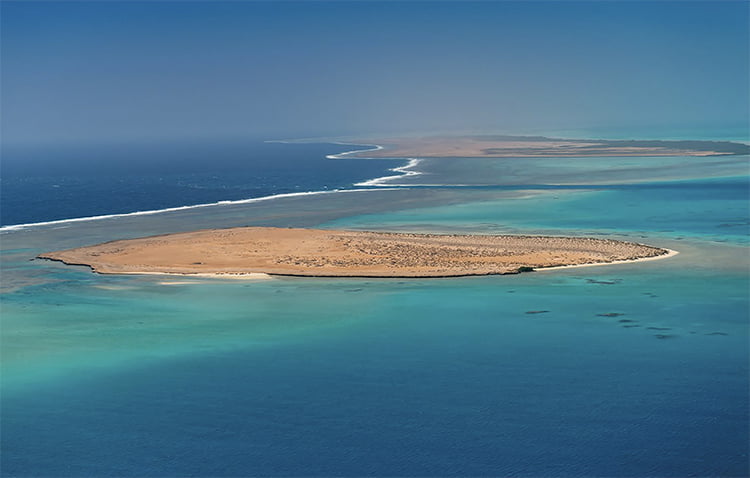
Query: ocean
{"points": [[47, 184], [636, 369]]}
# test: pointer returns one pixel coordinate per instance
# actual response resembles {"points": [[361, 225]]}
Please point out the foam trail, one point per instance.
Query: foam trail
{"points": [[16, 227], [373, 147], [404, 171]]}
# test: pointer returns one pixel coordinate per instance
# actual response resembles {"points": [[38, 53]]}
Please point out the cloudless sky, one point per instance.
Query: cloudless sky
{"points": [[99, 71]]}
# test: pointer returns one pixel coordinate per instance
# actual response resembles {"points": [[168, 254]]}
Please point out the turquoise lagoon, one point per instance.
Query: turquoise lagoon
{"points": [[636, 369]]}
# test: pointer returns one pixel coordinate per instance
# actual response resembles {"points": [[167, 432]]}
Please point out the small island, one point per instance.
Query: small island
{"points": [[249, 251], [500, 146]]}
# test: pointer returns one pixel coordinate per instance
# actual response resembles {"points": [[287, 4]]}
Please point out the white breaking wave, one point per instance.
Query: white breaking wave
{"points": [[375, 147], [16, 227], [404, 171]]}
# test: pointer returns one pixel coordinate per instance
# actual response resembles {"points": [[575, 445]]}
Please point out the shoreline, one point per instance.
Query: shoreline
{"points": [[197, 275], [670, 253]]}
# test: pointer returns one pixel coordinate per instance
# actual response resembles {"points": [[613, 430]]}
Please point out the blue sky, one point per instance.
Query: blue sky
{"points": [[101, 71]]}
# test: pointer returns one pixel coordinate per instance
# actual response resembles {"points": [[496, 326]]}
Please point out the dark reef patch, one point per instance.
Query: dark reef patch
{"points": [[665, 336], [603, 282]]}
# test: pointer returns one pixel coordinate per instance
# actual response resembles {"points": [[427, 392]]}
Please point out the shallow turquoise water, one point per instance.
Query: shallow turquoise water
{"points": [[569, 171], [356, 377], [714, 209], [625, 370]]}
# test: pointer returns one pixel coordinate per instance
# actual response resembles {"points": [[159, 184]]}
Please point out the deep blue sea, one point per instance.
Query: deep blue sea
{"points": [[627, 370], [47, 184]]}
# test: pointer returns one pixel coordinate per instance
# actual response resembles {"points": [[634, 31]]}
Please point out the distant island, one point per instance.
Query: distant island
{"points": [[497, 146], [330, 253]]}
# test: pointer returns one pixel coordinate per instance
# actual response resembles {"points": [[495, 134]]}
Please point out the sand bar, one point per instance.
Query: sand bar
{"points": [[495, 146], [330, 253]]}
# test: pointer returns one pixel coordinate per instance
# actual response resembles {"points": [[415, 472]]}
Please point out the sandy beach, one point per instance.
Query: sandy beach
{"points": [[253, 251]]}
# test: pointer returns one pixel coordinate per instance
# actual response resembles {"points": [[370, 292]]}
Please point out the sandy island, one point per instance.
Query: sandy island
{"points": [[497, 146], [327, 253]]}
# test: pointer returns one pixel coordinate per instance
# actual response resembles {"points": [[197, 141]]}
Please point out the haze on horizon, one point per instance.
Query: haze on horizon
{"points": [[121, 71]]}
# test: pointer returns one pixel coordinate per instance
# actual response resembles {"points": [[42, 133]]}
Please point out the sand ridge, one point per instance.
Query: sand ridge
{"points": [[334, 253]]}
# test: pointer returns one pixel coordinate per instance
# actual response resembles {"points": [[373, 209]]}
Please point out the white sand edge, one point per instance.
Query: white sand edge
{"points": [[670, 253], [198, 275]]}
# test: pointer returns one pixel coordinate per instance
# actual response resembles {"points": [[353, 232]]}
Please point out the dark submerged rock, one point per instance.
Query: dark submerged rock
{"points": [[603, 282]]}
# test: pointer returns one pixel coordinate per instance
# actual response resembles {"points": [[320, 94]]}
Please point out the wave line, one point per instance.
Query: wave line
{"points": [[17, 227], [404, 170]]}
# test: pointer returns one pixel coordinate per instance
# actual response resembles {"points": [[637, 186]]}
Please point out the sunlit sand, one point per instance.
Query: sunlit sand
{"points": [[254, 252]]}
